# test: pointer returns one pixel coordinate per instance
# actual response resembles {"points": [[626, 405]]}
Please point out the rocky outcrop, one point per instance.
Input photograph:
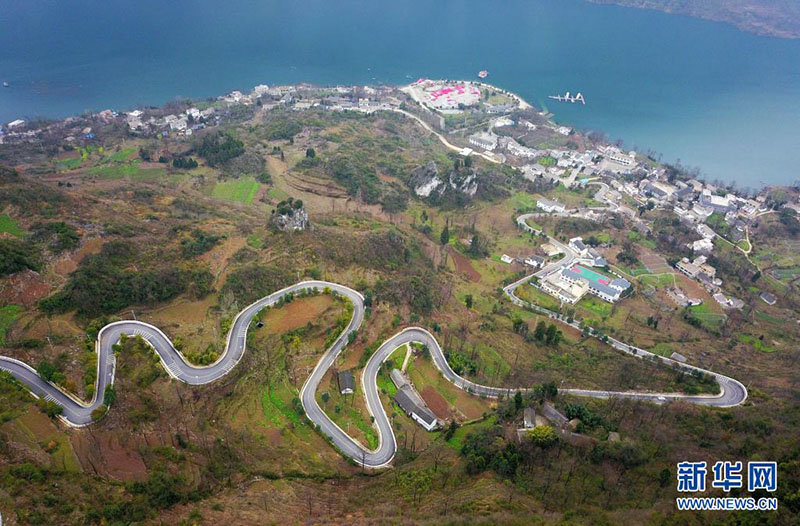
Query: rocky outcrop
{"points": [[465, 182], [426, 181], [290, 215]]}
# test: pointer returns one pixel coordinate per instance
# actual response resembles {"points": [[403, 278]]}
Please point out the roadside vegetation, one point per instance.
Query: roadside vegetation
{"points": [[189, 245]]}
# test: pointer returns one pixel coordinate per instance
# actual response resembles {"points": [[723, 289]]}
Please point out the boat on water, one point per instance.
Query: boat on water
{"points": [[483, 74], [568, 98], [5, 84]]}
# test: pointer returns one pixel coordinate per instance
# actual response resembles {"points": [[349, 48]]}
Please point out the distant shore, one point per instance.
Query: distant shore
{"points": [[770, 18]]}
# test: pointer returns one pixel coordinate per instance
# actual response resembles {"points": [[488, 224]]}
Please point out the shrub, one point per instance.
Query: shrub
{"points": [[218, 148], [16, 255], [184, 162], [542, 436], [99, 412], [62, 236]]}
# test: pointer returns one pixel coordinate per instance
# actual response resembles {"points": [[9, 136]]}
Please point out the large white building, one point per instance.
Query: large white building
{"points": [[550, 206], [706, 231], [571, 284], [487, 141], [610, 291], [614, 154], [702, 246], [563, 290], [716, 203]]}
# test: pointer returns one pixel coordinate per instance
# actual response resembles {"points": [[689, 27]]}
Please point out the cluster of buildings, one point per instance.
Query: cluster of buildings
{"points": [[178, 124], [700, 270], [572, 281], [302, 97], [587, 254], [570, 284], [694, 201], [564, 165], [69, 130], [484, 140], [15, 130], [446, 95], [677, 295]]}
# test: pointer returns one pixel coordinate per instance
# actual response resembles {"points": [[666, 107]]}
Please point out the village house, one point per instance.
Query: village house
{"points": [[260, 90], [550, 206], [487, 141], [564, 290], [768, 298], [346, 382], [411, 402], [706, 231], [702, 246], [550, 249], [716, 203], [535, 261]]}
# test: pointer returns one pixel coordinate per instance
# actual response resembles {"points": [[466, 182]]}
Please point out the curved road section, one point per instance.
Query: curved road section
{"points": [[77, 413]]}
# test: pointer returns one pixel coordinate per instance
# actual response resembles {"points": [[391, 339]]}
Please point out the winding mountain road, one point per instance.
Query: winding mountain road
{"points": [[78, 413]]}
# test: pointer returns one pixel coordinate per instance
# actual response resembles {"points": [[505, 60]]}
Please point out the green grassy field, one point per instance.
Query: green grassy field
{"points": [[662, 349], [603, 237], [8, 315], [9, 226], [277, 194], [458, 437], [756, 343], [342, 410], [69, 163], [658, 280], [132, 171], [242, 190], [596, 306], [385, 384], [122, 155], [767, 317], [537, 297], [276, 404], [522, 200], [498, 98], [639, 238], [394, 361], [707, 317], [255, 241], [638, 270]]}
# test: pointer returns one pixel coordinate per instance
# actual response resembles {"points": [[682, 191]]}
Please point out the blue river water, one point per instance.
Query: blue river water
{"points": [[718, 99]]}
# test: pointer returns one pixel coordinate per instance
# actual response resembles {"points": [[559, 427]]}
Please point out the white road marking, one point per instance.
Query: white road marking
{"points": [[387, 442]]}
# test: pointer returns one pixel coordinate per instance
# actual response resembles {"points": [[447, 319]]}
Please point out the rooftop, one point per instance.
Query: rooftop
{"points": [[346, 381], [408, 405]]}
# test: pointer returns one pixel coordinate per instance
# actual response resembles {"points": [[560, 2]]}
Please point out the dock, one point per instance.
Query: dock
{"points": [[569, 98]]}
